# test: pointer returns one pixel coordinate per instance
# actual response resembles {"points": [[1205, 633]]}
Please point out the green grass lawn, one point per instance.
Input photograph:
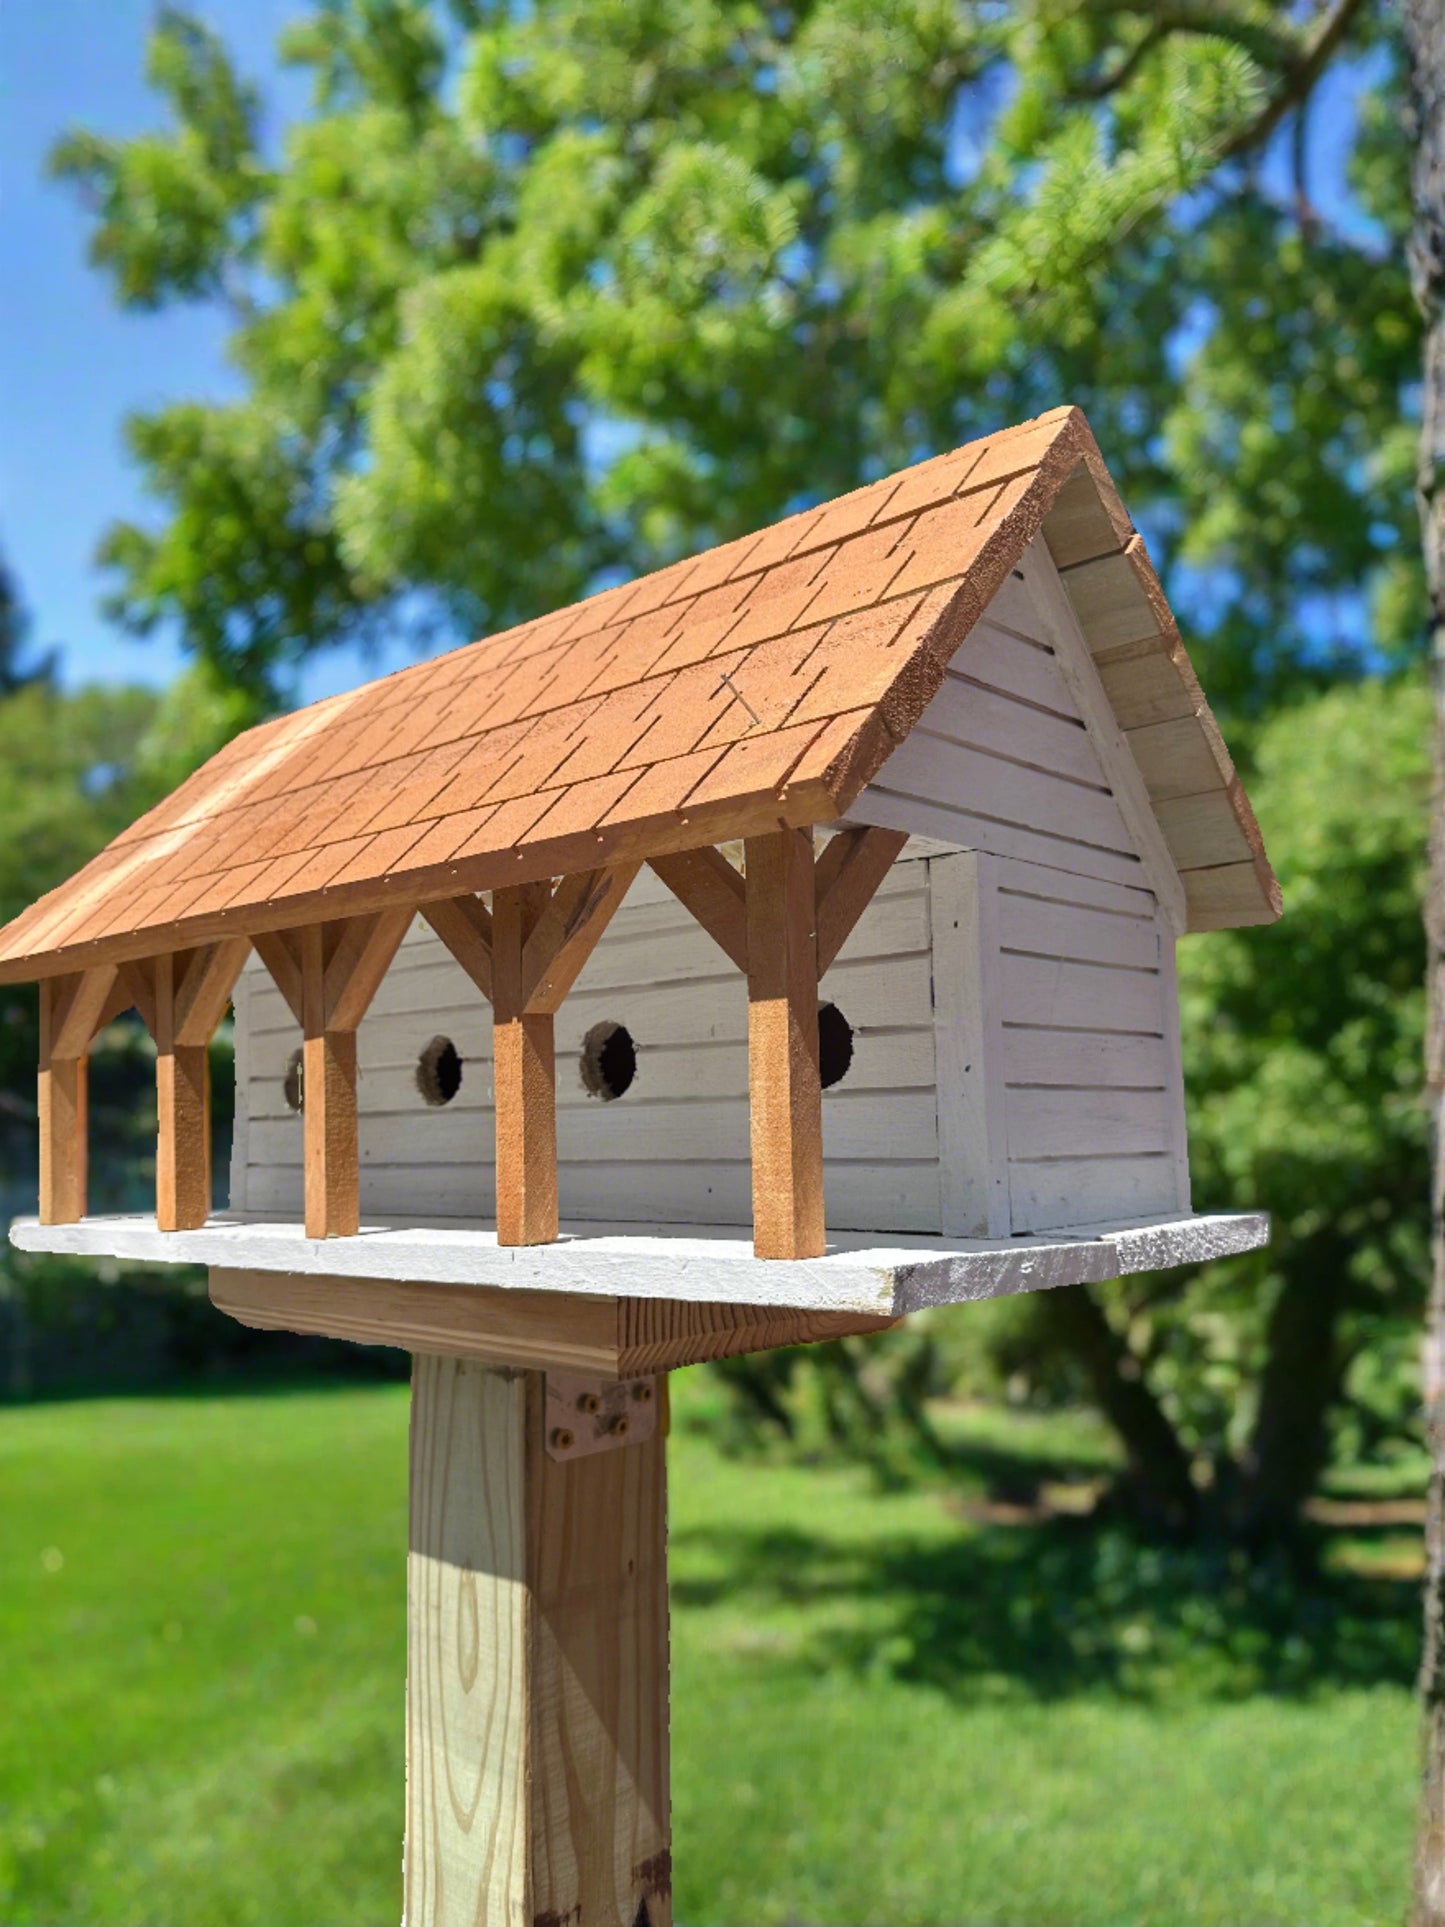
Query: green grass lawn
{"points": [[888, 1707]]}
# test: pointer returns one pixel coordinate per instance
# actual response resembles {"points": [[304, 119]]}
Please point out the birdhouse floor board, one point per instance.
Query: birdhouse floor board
{"points": [[857, 1273]]}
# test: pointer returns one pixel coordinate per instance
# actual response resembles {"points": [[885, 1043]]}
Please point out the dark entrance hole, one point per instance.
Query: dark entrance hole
{"points": [[835, 1045], [291, 1085], [609, 1060], [439, 1071]]}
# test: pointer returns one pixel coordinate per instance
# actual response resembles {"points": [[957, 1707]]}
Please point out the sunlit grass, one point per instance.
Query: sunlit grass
{"points": [[884, 1710]]}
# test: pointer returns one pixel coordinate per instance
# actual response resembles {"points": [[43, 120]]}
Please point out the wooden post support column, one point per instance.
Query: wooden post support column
{"points": [[329, 1122], [537, 1742], [333, 970], [183, 1110], [63, 1123], [524, 1072], [72, 1009], [784, 1091]]}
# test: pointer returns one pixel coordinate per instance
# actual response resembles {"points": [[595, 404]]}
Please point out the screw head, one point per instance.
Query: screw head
{"points": [[589, 1402], [643, 1394], [619, 1428], [563, 1440]]}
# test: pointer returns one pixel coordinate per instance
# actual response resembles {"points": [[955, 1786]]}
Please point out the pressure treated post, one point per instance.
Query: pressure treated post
{"points": [[183, 1112], [525, 1079], [537, 1744], [784, 1090]]}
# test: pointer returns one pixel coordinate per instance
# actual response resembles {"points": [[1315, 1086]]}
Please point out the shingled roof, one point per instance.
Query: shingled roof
{"points": [[762, 682]]}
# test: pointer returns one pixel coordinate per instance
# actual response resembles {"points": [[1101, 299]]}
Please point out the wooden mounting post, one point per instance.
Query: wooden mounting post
{"points": [[784, 1090], [537, 1744], [72, 1009]]}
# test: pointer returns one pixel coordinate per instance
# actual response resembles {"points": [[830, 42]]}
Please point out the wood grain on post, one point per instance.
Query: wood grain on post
{"points": [[332, 1173], [784, 1090], [183, 1110], [524, 1071], [537, 1746], [72, 1009], [62, 1106]]}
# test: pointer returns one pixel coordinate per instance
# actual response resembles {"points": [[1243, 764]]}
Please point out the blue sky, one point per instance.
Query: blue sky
{"points": [[71, 364]]}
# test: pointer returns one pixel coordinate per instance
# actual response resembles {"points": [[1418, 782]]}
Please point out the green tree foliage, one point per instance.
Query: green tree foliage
{"points": [[540, 294]]}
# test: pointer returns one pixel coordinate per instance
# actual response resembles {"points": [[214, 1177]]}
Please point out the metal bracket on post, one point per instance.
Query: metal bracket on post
{"points": [[585, 1415]]}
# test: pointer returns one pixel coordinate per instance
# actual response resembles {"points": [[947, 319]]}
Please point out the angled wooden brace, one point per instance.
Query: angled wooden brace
{"points": [[72, 1010], [464, 925], [188, 995], [341, 965], [845, 880], [713, 890], [540, 940]]}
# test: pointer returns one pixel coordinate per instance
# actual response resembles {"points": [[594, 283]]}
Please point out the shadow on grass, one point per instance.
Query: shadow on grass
{"points": [[1064, 1606]]}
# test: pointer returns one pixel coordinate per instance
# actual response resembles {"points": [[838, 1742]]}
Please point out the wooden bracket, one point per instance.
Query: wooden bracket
{"points": [[845, 880], [586, 1415], [713, 890], [566, 933], [783, 923], [342, 964], [72, 1010], [541, 938], [182, 997], [464, 925], [280, 951]]}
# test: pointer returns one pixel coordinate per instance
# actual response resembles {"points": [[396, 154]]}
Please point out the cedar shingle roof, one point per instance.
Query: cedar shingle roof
{"points": [[764, 681]]}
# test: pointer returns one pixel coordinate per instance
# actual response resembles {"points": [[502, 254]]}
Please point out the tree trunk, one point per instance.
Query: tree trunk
{"points": [[1301, 1378], [1158, 1477], [1424, 22]]}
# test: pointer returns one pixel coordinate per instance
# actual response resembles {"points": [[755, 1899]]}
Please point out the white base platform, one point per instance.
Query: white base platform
{"points": [[858, 1273]]}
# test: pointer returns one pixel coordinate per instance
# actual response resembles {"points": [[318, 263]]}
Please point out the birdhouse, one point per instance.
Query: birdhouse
{"points": [[754, 952]]}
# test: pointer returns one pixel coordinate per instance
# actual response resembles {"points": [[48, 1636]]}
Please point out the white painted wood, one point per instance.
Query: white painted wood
{"points": [[1173, 1045], [977, 717], [991, 658], [1079, 996], [701, 1264], [1059, 626], [985, 784], [1043, 929], [947, 830], [1046, 1123], [1086, 1059], [1081, 1191], [1093, 1100], [972, 1162]]}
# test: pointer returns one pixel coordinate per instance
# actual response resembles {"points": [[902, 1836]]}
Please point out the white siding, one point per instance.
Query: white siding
{"points": [[1093, 1100], [674, 1149]]}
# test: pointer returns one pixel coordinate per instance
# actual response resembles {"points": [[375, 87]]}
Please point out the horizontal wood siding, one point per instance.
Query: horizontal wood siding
{"points": [[674, 1149], [1001, 760], [1091, 1080]]}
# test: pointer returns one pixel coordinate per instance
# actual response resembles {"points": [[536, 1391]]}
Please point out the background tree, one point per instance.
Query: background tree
{"points": [[537, 296]]}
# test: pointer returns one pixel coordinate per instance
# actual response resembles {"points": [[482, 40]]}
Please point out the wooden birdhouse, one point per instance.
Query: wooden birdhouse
{"points": [[755, 952]]}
